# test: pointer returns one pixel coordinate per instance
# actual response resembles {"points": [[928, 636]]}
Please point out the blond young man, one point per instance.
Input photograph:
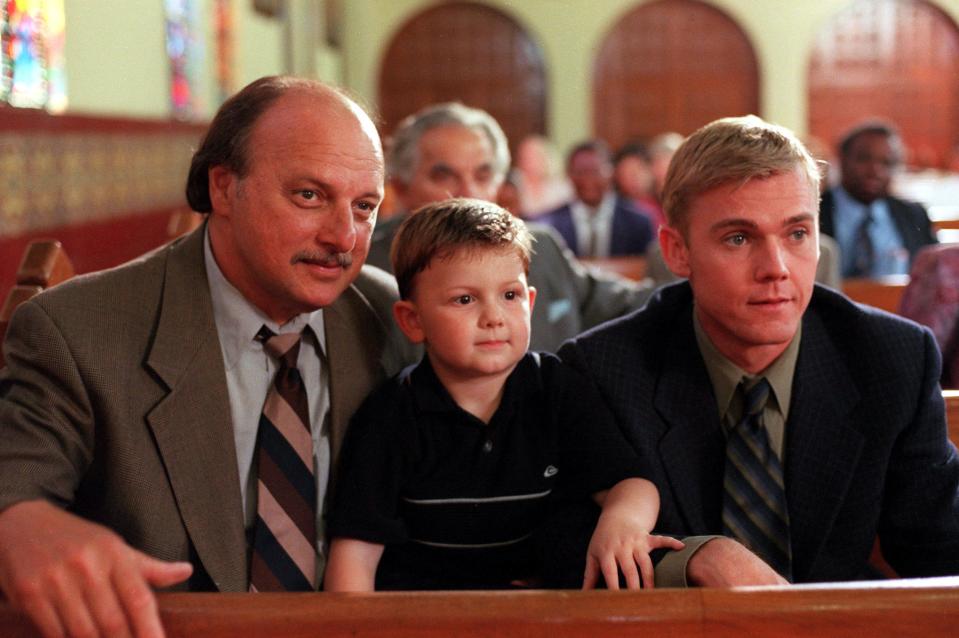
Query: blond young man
{"points": [[853, 418], [450, 468]]}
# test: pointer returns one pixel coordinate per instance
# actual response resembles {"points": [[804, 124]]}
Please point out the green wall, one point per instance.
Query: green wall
{"points": [[116, 63]]}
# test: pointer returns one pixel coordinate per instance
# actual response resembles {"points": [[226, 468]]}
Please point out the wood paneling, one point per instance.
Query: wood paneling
{"points": [[672, 65], [894, 59], [467, 52]]}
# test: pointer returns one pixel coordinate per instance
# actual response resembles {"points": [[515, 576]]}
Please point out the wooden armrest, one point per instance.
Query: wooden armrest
{"points": [[44, 264]]}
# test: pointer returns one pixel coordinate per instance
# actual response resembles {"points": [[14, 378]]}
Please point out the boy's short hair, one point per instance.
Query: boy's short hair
{"points": [[437, 229], [732, 149]]}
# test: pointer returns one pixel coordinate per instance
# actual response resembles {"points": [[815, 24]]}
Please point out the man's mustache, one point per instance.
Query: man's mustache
{"points": [[322, 258]]}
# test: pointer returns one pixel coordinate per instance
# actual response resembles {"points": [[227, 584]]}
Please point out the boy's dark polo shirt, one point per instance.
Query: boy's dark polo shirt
{"points": [[457, 502]]}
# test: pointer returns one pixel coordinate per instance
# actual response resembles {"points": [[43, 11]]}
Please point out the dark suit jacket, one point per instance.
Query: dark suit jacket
{"points": [[631, 232], [866, 449], [114, 405], [570, 297], [910, 218]]}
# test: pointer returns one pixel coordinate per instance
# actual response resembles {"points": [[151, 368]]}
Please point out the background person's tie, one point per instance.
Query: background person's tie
{"points": [[865, 257], [594, 233], [754, 509], [284, 537]]}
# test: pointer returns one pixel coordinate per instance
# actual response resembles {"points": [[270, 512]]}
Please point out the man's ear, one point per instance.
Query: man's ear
{"points": [[674, 249], [408, 319], [222, 188]]}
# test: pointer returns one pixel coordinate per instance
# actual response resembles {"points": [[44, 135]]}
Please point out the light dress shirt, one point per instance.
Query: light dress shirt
{"points": [[588, 220], [891, 255], [249, 374]]}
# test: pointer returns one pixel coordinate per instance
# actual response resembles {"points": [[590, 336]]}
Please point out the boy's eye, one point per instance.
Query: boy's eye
{"points": [[464, 299], [510, 295]]}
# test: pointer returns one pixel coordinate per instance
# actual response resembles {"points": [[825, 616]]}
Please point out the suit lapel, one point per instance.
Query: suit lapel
{"points": [[354, 340], [822, 450], [692, 448], [192, 424]]}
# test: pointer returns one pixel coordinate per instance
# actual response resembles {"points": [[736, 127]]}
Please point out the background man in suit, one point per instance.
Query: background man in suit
{"points": [[130, 407], [770, 412], [451, 150], [598, 223], [878, 234]]}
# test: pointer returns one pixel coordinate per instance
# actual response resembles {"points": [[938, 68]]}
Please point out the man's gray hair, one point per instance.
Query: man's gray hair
{"points": [[403, 149]]}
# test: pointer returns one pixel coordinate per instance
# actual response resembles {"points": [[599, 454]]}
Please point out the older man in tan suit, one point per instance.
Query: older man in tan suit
{"points": [[130, 407]]}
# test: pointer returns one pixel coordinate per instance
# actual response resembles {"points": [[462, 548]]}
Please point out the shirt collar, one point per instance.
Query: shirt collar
{"points": [[431, 395], [725, 375], [605, 209], [237, 320]]}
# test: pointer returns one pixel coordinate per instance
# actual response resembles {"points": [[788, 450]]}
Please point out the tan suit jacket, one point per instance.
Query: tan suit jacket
{"points": [[114, 404]]}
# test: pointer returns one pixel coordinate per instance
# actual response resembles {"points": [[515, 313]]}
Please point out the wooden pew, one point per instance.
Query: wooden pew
{"points": [[632, 267], [882, 292], [44, 264], [952, 414], [923, 607]]}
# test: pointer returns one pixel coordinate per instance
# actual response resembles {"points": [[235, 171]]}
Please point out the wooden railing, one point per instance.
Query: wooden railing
{"points": [[894, 608]]}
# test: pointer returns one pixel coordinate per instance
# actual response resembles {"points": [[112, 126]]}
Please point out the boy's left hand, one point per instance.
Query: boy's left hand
{"points": [[618, 543]]}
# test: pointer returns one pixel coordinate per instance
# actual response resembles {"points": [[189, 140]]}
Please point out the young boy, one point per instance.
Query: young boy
{"points": [[448, 469]]}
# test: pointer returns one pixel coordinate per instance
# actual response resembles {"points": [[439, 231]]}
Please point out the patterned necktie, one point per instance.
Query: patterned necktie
{"points": [[865, 255], [754, 508], [284, 537]]}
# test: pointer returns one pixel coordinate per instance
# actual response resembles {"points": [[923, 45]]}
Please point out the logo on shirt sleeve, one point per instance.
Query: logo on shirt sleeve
{"points": [[551, 470]]}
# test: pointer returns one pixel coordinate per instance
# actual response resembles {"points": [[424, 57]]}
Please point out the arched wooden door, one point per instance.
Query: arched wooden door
{"points": [[672, 65], [471, 53], [894, 59]]}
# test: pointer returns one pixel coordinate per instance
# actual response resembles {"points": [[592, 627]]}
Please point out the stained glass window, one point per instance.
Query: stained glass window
{"points": [[31, 49], [185, 50], [223, 19]]}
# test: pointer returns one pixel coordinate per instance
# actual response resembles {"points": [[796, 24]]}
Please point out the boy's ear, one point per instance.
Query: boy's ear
{"points": [[532, 299], [408, 319], [674, 249]]}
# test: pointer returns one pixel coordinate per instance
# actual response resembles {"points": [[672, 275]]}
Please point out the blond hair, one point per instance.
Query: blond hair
{"points": [[437, 230], [732, 150]]}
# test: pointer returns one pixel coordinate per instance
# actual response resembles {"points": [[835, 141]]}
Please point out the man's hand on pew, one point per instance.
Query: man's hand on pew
{"points": [[723, 562], [73, 577]]}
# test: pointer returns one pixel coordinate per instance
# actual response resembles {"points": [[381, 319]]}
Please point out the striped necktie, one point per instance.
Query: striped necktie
{"points": [[284, 536], [754, 508]]}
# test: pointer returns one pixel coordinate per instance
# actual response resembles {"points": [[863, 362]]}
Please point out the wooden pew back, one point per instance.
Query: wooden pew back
{"points": [[44, 264], [900, 608], [882, 292], [631, 267], [952, 414]]}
